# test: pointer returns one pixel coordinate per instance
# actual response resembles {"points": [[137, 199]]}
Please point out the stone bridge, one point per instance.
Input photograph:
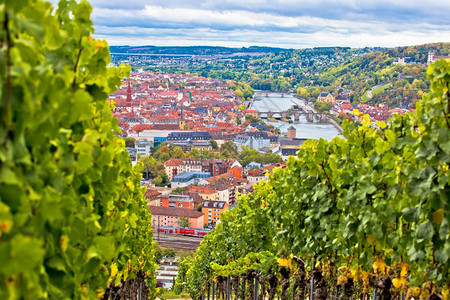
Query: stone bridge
{"points": [[294, 115]]}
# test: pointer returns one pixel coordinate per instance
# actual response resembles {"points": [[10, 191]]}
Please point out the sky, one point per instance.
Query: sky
{"points": [[277, 23]]}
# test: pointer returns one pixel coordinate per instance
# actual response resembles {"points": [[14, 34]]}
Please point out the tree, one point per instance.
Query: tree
{"points": [[184, 222], [178, 190], [239, 93], [161, 179], [149, 166], [214, 144], [168, 252], [194, 153], [130, 142], [323, 106], [177, 152], [230, 149], [72, 212]]}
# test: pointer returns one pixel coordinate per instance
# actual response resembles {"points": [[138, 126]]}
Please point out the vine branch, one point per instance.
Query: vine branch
{"points": [[75, 69], [8, 75], [330, 185]]}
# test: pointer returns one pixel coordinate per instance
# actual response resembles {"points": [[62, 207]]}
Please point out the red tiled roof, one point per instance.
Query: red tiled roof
{"points": [[174, 212], [150, 193], [173, 162]]}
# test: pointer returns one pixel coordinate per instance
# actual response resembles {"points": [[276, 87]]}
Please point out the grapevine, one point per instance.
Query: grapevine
{"points": [[364, 214], [72, 212]]}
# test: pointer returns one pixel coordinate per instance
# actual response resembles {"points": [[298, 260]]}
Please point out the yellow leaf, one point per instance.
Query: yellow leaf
{"points": [[397, 283], [379, 267], [370, 239], [283, 262], [438, 216], [63, 242], [404, 270], [382, 125], [114, 269], [445, 293], [341, 280]]}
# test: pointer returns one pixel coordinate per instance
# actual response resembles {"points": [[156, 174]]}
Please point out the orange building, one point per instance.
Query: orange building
{"points": [[169, 200], [212, 210]]}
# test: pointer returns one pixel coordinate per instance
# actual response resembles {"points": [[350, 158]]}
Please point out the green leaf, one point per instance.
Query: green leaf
{"points": [[425, 230]]}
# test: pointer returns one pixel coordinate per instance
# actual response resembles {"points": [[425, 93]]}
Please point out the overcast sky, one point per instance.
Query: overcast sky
{"points": [[277, 23]]}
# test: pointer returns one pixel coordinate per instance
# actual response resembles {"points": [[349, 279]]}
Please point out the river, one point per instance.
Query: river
{"points": [[271, 101]]}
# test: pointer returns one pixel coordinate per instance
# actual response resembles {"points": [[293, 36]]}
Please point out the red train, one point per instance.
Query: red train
{"points": [[181, 230]]}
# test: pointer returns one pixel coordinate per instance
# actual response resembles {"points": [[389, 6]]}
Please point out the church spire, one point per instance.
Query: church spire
{"points": [[181, 114], [128, 103]]}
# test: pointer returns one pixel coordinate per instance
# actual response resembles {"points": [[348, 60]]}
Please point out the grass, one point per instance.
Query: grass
{"points": [[172, 295], [375, 91], [380, 89]]}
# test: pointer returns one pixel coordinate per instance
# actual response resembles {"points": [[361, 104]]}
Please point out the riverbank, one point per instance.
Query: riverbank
{"points": [[335, 124]]}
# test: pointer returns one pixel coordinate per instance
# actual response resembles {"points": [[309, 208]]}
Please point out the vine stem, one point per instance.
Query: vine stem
{"points": [[75, 68], [448, 105], [8, 76], [330, 185]]}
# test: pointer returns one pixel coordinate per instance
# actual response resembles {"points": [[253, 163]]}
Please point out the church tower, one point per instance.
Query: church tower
{"points": [[181, 123], [129, 100]]}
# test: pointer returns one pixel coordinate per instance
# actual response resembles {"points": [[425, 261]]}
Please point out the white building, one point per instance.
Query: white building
{"points": [[143, 147]]}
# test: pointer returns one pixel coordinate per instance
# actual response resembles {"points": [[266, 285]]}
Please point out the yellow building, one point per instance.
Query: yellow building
{"points": [[326, 97]]}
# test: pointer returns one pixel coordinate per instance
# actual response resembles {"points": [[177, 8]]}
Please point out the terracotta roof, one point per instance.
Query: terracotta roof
{"points": [[150, 193], [256, 173], [174, 212], [174, 162]]}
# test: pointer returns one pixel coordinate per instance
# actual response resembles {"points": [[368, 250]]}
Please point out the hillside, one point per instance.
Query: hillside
{"points": [[357, 73]]}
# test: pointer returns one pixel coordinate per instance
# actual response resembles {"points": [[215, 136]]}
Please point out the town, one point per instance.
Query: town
{"points": [[202, 145]]}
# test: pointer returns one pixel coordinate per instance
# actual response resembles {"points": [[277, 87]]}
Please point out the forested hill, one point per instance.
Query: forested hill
{"points": [[395, 76], [194, 50], [392, 76]]}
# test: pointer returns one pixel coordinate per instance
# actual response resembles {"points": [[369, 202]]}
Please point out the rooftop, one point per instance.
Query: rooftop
{"points": [[174, 212]]}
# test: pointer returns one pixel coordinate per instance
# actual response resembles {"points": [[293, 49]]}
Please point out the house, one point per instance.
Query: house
{"points": [[247, 188], [289, 146], [252, 140], [212, 211], [211, 192], [255, 176], [171, 200], [251, 112], [152, 195], [342, 99], [170, 216]]}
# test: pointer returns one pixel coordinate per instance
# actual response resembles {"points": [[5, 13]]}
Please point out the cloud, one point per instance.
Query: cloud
{"points": [[285, 23]]}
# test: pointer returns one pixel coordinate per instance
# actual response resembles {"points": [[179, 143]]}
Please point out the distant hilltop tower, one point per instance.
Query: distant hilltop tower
{"points": [[430, 57], [291, 132], [129, 100]]}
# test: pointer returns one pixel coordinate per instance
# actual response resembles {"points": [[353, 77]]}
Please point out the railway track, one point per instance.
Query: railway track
{"points": [[177, 242]]}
